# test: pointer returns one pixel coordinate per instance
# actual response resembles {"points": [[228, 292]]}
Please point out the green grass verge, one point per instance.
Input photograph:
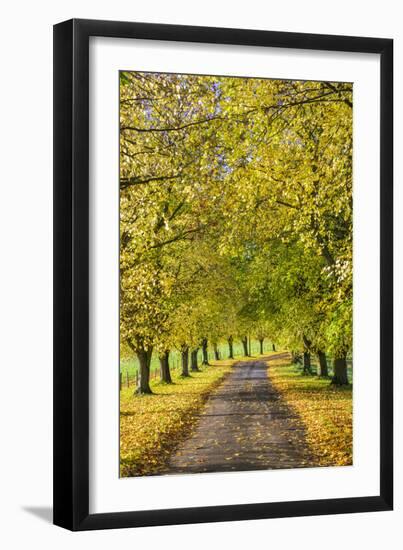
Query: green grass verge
{"points": [[326, 412]]}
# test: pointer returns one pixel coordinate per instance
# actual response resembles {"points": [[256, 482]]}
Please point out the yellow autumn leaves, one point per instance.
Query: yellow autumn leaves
{"points": [[326, 412], [151, 426]]}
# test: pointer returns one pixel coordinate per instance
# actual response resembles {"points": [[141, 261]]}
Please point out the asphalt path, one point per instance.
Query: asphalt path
{"points": [[245, 425]]}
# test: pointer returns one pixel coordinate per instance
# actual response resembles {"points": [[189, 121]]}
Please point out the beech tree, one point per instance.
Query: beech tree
{"points": [[236, 217]]}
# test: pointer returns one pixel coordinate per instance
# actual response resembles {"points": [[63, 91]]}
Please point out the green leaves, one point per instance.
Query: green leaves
{"points": [[236, 209]]}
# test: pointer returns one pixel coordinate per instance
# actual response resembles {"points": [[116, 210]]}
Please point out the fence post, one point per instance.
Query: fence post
{"points": [[120, 381], [137, 378], [127, 378]]}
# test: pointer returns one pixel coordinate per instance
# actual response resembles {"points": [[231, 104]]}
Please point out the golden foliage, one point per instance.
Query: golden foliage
{"points": [[325, 410], [151, 426]]}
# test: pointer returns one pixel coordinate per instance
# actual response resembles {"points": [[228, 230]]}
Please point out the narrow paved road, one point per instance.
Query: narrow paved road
{"points": [[245, 425]]}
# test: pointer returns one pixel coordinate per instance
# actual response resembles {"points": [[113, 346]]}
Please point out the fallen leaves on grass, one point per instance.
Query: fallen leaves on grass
{"points": [[326, 412], [152, 426]]}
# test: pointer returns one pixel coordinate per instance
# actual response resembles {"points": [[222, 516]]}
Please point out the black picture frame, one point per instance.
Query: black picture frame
{"points": [[71, 274]]}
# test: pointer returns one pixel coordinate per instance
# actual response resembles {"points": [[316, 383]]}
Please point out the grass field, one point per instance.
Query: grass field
{"points": [[325, 410], [131, 365]]}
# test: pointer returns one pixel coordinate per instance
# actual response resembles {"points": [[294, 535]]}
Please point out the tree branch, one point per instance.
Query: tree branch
{"points": [[127, 182], [170, 129]]}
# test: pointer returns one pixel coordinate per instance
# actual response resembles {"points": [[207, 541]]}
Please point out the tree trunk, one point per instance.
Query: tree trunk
{"points": [[296, 357], [307, 356], [164, 364], [144, 357], [340, 370], [245, 346], [231, 347], [193, 362], [273, 347], [205, 351], [216, 352], [322, 364], [185, 360], [307, 363], [261, 340]]}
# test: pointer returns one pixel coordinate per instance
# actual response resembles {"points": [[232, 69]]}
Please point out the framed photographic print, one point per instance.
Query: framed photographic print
{"points": [[223, 323]]}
